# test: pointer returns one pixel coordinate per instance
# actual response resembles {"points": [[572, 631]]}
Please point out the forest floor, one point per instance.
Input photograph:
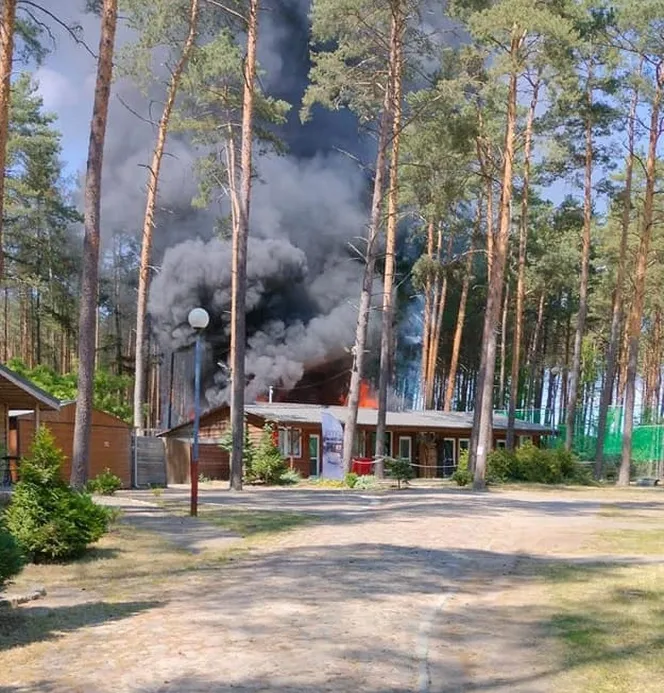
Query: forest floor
{"points": [[297, 590]]}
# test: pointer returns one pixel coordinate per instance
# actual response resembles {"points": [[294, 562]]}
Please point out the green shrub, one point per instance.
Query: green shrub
{"points": [[248, 449], [500, 466], [399, 469], [49, 520], [290, 477], [11, 558], [351, 479], [536, 466], [267, 465], [104, 484], [462, 475], [366, 482]]}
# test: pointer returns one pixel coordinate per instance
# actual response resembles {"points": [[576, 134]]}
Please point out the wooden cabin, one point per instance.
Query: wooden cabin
{"points": [[431, 440]]}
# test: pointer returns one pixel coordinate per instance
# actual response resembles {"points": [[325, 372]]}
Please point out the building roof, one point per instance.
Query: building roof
{"points": [[421, 420], [17, 392], [294, 414]]}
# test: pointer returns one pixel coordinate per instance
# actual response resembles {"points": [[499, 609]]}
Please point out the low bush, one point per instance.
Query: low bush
{"points": [[104, 484], [351, 479], [49, 520], [366, 482], [11, 557], [500, 466], [266, 464], [399, 469], [537, 466], [290, 477], [462, 475]]}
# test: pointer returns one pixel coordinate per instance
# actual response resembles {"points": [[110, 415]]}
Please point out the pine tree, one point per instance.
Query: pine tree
{"points": [[89, 281], [170, 25]]}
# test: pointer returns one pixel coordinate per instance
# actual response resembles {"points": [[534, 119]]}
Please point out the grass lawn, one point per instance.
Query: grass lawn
{"points": [[128, 571], [255, 523], [608, 620]]}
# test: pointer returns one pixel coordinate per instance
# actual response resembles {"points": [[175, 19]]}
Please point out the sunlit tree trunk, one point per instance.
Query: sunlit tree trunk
{"points": [[484, 400], [149, 216], [575, 372], [6, 61], [439, 302], [461, 317], [398, 19], [239, 250], [503, 347], [636, 312], [617, 308], [521, 273], [364, 310], [426, 325], [89, 280]]}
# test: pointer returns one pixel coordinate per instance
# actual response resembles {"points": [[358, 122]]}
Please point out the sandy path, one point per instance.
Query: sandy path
{"points": [[394, 593]]}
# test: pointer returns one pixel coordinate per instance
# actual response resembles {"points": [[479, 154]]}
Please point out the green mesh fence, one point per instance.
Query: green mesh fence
{"points": [[647, 437]]}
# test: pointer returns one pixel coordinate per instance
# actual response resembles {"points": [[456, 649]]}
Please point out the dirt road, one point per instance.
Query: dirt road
{"points": [[424, 590]]}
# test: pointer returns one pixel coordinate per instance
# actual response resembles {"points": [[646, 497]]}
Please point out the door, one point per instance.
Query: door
{"points": [[314, 454], [447, 457]]}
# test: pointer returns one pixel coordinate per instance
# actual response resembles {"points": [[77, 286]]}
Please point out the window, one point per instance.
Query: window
{"points": [[290, 442], [406, 448], [525, 439], [501, 445], [388, 443], [359, 445], [464, 445]]}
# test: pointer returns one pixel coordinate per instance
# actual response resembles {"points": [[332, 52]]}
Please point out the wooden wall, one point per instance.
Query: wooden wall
{"points": [[424, 455], [110, 444]]}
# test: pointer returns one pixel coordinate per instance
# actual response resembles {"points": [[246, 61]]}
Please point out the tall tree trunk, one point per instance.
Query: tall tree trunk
{"points": [[532, 350], [239, 262], [484, 158], [461, 317], [521, 274], [364, 310], [6, 61], [439, 302], [575, 373], [617, 310], [503, 347], [428, 310], [384, 380], [89, 280], [5, 344], [636, 312], [488, 358], [149, 217]]}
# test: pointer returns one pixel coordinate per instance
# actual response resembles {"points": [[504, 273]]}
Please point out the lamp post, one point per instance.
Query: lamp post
{"points": [[199, 320]]}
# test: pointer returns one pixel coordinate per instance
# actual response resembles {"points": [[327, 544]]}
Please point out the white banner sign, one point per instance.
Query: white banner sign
{"points": [[333, 443]]}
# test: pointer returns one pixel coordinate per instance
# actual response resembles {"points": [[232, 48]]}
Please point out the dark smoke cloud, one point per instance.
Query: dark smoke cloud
{"points": [[308, 209]]}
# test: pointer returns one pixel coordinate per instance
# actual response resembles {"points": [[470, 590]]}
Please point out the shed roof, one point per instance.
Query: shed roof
{"points": [[282, 413], [71, 404], [17, 392]]}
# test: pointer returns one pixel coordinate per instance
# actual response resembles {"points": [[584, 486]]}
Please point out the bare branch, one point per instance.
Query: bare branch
{"points": [[70, 30]]}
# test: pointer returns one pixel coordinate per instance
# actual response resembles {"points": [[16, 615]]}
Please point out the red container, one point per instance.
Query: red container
{"points": [[362, 466]]}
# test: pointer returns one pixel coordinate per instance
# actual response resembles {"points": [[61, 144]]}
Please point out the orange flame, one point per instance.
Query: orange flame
{"points": [[367, 399]]}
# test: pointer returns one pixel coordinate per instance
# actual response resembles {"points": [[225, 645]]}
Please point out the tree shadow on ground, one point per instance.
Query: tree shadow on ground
{"points": [[25, 625]]}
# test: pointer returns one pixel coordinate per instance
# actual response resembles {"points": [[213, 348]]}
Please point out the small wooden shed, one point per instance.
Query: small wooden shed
{"points": [[110, 443], [16, 392]]}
